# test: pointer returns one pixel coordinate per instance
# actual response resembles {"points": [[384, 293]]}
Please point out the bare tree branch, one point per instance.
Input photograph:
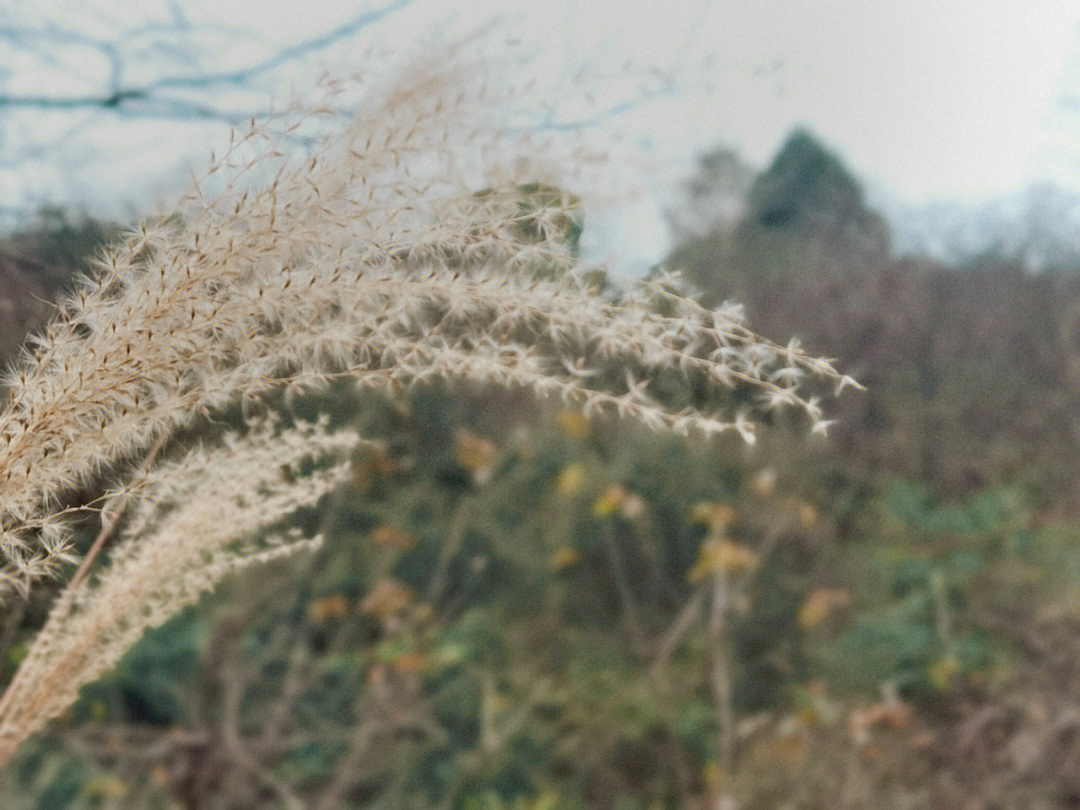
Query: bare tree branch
{"points": [[150, 99]]}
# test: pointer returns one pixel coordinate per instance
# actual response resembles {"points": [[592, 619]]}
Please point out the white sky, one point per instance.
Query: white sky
{"points": [[956, 99], [945, 98]]}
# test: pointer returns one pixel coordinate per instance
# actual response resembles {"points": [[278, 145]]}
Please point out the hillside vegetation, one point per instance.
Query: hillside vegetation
{"points": [[515, 607]]}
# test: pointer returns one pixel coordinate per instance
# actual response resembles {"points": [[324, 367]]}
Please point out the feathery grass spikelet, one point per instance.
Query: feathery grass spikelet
{"points": [[406, 248], [182, 538], [375, 258]]}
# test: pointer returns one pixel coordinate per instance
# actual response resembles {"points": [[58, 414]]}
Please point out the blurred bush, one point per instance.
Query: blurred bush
{"points": [[511, 608]]}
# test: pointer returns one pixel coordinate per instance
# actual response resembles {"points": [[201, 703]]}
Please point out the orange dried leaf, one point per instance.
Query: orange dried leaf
{"points": [[390, 535], [329, 607], [476, 454], [409, 662], [386, 598]]}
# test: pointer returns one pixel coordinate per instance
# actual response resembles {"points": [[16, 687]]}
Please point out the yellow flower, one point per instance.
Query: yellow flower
{"points": [[807, 514], [722, 555], [821, 604], [944, 671], [476, 454], [574, 423], [717, 516], [106, 787], [571, 479], [713, 774], [564, 558], [610, 501]]}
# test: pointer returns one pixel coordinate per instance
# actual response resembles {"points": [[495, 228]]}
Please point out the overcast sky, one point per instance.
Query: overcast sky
{"points": [[957, 99], [935, 98]]}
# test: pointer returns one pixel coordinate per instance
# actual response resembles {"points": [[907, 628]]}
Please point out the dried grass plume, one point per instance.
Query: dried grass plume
{"points": [[416, 243]]}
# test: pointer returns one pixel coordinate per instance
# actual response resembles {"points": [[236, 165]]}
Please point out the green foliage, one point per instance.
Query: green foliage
{"points": [[143, 686], [803, 185], [929, 536], [524, 637], [926, 574]]}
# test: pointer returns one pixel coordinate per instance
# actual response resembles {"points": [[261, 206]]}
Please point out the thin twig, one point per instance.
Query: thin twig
{"points": [[721, 681], [671, 639], [95, 549], [109, 528], [451, 546], [631, 619]]}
